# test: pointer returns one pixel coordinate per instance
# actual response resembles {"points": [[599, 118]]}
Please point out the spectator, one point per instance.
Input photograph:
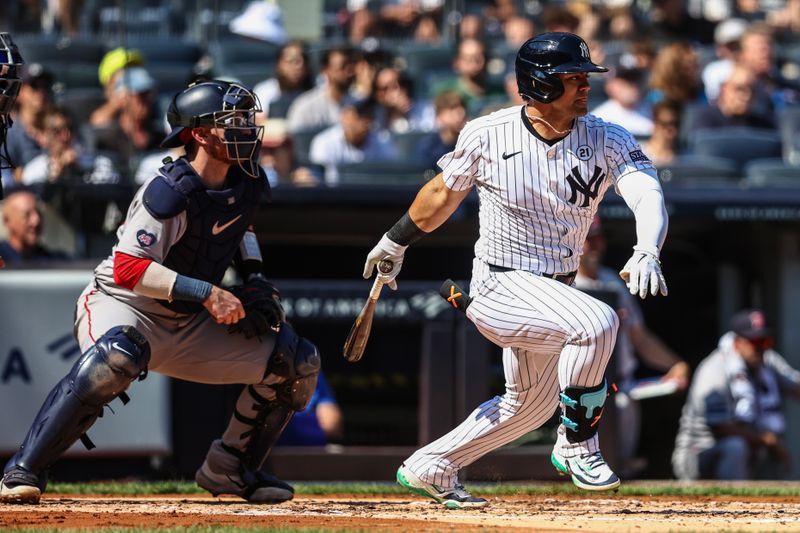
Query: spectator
{"points": [[23, 221], [369, 60], [63, 161], [136, 127], [559, 18], [662, 146], [427, 30], [516, 30], [734, 106], [732, 424], [276, 157], [773, 91], [24, 141], [320, 107], [727, 36], [676, 76], [292, 76], [112, 64], [351, 141], [670, 21], [470, 82], [397, 110], [451, 116], [634, 342], [319, 423], [624, 105]]}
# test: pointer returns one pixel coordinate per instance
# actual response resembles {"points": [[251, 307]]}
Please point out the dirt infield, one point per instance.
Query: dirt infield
{"points": [[393, 513]]}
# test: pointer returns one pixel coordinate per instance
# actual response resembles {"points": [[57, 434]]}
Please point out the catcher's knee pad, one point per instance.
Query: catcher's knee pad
{"points": [[100, 375], [581, 409], [296, 360]]}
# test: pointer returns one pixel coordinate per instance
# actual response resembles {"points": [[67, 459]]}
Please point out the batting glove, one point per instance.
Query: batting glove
{"points": [[643, 271], [385, 249]]}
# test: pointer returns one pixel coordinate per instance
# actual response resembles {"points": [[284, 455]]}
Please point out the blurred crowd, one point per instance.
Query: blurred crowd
{"points": [[384, 91]]}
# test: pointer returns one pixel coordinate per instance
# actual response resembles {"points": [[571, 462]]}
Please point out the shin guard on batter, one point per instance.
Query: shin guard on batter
{"points": [[103, 373], [233, 464], [581, 409]]}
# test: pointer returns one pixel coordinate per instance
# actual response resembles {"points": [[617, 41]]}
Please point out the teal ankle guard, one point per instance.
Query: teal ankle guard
{"points": [[581, 410]]}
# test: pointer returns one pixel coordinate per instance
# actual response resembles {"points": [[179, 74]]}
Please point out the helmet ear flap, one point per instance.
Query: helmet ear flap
{"points": [[546, 87]]}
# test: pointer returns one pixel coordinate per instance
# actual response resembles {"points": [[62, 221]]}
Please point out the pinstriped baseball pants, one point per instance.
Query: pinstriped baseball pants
{"points": [[553, 336]]}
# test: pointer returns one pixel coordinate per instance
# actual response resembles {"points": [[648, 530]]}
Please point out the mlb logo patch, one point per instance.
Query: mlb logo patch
{"points": [[145, 238]]}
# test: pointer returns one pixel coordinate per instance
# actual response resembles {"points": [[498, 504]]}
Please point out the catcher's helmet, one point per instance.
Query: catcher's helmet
{"points": [[218, 104], [544, 56], [10, 63]]}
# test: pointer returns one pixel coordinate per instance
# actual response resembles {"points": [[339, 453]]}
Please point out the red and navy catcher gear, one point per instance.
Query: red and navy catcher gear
{"points": [[544, 56], [10, 63], [224, 105]]}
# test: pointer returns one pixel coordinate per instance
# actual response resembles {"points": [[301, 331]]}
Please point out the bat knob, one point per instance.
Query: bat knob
{"points": [[385, 266]]}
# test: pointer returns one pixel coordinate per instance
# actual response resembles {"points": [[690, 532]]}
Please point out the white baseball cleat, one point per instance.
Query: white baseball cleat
{"points": [[455, 497], [20, 486], [589, 471]]}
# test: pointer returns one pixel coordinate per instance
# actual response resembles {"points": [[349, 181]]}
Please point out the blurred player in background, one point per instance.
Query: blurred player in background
{"points": [[156, 304], [733, 422], [10, 63]]}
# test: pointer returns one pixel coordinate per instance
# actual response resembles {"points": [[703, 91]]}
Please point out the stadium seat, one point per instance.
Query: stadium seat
{"points": [[699, 170], [406, 143], [772, 173], [738, 144], [278, 108], [52, 51], [169, 51], [81, 102], [789, 125], [383, 173], [302, 143], [237, 51]]}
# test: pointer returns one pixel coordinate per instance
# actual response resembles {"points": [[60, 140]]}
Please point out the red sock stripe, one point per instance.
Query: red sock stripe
{"points": [[89, 314]]}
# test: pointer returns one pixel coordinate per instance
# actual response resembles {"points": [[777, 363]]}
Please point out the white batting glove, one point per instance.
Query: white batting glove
{"points": [[385, 249], [643, 271]]}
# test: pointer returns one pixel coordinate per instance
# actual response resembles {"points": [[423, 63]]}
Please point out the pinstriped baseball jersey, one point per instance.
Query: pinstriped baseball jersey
{"points": [[537, 197]]}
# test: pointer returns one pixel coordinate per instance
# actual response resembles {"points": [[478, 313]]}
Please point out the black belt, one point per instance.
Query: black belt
{"points": [[566, 279]]}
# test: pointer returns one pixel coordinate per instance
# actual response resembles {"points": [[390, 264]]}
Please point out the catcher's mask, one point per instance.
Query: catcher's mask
{"points": [[10, 63], [224, 105], [544, 56]]}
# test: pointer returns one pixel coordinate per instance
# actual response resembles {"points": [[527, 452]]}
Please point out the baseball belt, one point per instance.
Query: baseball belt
{"points": [[565, 278]]}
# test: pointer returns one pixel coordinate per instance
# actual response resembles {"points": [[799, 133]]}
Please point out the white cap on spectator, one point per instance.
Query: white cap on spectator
{"points": [[729, 31], [260, 20]]}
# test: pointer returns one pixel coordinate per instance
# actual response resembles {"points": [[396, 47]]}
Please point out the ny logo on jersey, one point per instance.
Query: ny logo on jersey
{"points": [[588, 189]]}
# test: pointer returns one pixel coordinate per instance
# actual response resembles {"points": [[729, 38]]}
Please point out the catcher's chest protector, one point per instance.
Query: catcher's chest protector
{"points": [[216, 221]]}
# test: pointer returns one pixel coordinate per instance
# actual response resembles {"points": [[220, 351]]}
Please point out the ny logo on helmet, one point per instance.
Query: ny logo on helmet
{"points": [[584, 50]]}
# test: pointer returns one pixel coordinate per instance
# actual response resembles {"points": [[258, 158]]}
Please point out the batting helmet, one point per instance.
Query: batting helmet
{"points": [[544, 56], [10, 63], [218, 104]]}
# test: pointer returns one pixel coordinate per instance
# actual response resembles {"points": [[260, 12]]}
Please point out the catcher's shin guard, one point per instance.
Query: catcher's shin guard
{"points": [[581, 409], [103, 373]]}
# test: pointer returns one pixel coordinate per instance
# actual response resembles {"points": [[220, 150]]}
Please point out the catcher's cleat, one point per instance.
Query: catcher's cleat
{"points": [[222, 473], [453, 498], [20, 486], [589, 471]]}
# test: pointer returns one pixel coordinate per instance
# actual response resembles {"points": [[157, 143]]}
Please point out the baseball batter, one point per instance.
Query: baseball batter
{"points": [[540, 170], [156, 304]]}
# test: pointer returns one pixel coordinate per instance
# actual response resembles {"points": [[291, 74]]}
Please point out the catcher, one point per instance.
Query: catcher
{"points": [[156, 304]]}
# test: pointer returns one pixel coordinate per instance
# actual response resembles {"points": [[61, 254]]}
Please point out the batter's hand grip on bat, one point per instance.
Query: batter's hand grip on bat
{"points": [[455, 295], [359, 333]]}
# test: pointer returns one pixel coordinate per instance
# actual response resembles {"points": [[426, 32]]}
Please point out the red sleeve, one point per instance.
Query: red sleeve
{"points": [[129, 269]]}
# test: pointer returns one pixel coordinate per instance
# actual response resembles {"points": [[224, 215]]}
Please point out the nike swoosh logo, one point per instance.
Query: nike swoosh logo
{"points": [[120, 348], [507, 156], [216, 229]]}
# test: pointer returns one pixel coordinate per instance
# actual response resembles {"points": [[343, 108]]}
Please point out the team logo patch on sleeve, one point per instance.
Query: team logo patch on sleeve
{"points": [[145, 238], [638, 155]]}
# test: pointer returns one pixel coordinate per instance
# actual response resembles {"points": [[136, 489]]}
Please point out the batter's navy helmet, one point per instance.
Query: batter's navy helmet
{"points": [[218, 104], [10, 63], [548, 54]]}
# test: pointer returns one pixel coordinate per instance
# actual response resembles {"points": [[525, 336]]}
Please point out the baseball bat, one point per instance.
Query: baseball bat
{"points": [[359, 333]]}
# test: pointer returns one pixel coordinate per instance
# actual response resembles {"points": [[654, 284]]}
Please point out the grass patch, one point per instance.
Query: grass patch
{"points": [[139, 488]]}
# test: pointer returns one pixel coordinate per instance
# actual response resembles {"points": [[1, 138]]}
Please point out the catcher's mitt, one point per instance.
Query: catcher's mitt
{"points": [[262, 308]]}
